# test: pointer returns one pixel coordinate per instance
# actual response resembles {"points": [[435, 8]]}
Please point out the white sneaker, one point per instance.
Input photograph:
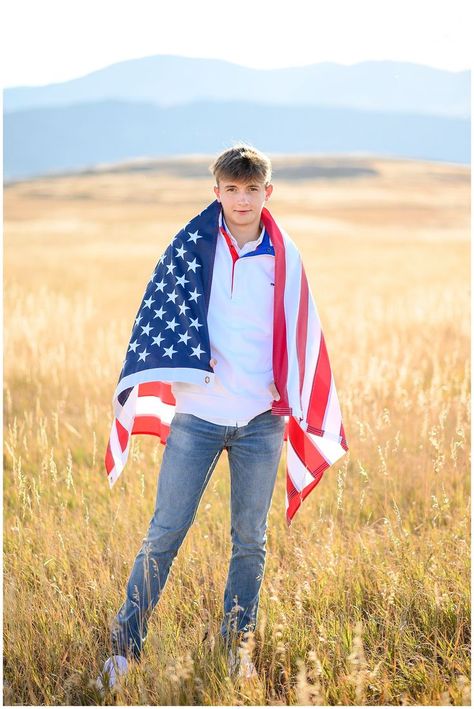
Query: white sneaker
{"points": [[241, 665], [114, 667]]}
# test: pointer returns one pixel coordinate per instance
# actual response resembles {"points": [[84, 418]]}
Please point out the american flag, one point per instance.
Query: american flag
{"points": [[170, 342]]}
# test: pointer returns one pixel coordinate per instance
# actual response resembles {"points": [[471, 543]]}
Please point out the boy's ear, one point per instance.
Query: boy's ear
{"points": [[216, 192], [268, 191]]}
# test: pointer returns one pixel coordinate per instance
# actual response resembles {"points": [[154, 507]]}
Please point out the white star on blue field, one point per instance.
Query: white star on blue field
{"points": [[168, 324]]}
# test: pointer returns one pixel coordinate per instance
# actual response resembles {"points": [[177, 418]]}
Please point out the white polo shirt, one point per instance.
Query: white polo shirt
{"points": [[240, 322]]}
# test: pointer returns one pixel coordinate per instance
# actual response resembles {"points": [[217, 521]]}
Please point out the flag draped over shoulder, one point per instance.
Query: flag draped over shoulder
{"points": [[170, 342]]}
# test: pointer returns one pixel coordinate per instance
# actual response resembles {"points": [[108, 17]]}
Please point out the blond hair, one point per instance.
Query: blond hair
{"points": [[242, 162]]}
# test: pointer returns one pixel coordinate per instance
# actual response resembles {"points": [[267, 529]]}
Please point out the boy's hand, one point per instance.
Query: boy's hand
{"points": [[274, 392]]}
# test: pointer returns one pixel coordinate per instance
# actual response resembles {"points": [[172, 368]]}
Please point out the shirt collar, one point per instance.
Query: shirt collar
{"points": [[249, 246]]}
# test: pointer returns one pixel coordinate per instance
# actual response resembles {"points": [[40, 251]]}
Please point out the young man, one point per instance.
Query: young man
{"points": [[242, 353]]}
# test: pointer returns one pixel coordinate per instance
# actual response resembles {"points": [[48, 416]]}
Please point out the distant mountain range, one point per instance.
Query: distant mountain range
{"points": [[165, 105], [168, 80]]}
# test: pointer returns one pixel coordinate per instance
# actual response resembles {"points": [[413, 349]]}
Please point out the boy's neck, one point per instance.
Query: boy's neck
{"points": [[245, 233]]}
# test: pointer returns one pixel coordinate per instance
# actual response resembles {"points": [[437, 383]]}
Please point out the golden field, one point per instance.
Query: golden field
{"points": [[366, 597]]}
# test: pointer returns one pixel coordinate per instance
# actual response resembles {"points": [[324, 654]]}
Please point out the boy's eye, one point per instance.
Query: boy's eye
{"points": [[232, 189]]}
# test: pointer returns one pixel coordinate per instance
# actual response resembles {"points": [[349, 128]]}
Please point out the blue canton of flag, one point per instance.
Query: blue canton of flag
{"points": [[170, 330]]}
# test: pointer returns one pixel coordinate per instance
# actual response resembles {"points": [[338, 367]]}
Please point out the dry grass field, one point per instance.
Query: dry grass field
{"points": [[366, 598]]}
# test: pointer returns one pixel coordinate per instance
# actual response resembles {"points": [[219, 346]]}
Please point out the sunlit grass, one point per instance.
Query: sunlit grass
{"points": [[366, 598]]}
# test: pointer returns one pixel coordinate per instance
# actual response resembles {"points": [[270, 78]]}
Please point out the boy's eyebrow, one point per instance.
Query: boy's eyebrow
{"points": [[250, 184]]}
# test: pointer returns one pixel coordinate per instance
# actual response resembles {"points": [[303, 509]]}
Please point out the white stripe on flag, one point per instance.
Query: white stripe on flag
{"points": [[313, 342], [119, 457], [113, 476], [153, 406], [292, 303], [332, 415], [330, 449]]}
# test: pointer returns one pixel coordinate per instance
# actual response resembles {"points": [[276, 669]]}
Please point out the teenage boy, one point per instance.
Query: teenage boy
{"points": [[227, 400]]}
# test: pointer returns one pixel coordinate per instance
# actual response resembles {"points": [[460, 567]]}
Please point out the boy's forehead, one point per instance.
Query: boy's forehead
{"points": [[230, 182]]}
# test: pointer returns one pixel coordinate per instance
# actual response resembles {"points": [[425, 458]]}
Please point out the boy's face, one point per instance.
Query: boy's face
{"points": [[242, 202]]}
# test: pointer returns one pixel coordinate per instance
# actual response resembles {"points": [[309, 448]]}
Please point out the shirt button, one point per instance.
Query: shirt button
{"points": [[207, 380]]}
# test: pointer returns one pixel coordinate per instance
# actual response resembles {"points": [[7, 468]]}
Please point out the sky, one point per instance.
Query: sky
{"points": [[45, 41]]}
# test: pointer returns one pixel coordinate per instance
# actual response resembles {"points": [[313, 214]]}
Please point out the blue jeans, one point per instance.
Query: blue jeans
{"points": [[191, 453]]}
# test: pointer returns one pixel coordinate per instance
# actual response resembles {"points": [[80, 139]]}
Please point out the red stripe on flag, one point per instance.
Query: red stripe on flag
{"points": [[160, 389], [165, 432], [151, 425], [306, 490], [293, 496], [122, 434], [302, 327], [305, 449], [343, 438], [294, 503], [109, 461], [320, 389], [280, 354]]}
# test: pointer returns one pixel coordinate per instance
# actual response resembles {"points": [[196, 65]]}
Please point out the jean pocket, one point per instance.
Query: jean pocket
{"points": [[267, 418], [178, 416], [186, 419]]}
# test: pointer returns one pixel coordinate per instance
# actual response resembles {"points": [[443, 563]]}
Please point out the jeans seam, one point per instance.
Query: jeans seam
{"points": [[209, 472]]}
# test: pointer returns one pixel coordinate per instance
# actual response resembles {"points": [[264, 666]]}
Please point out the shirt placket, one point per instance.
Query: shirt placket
{"points": [[235, 256]]}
